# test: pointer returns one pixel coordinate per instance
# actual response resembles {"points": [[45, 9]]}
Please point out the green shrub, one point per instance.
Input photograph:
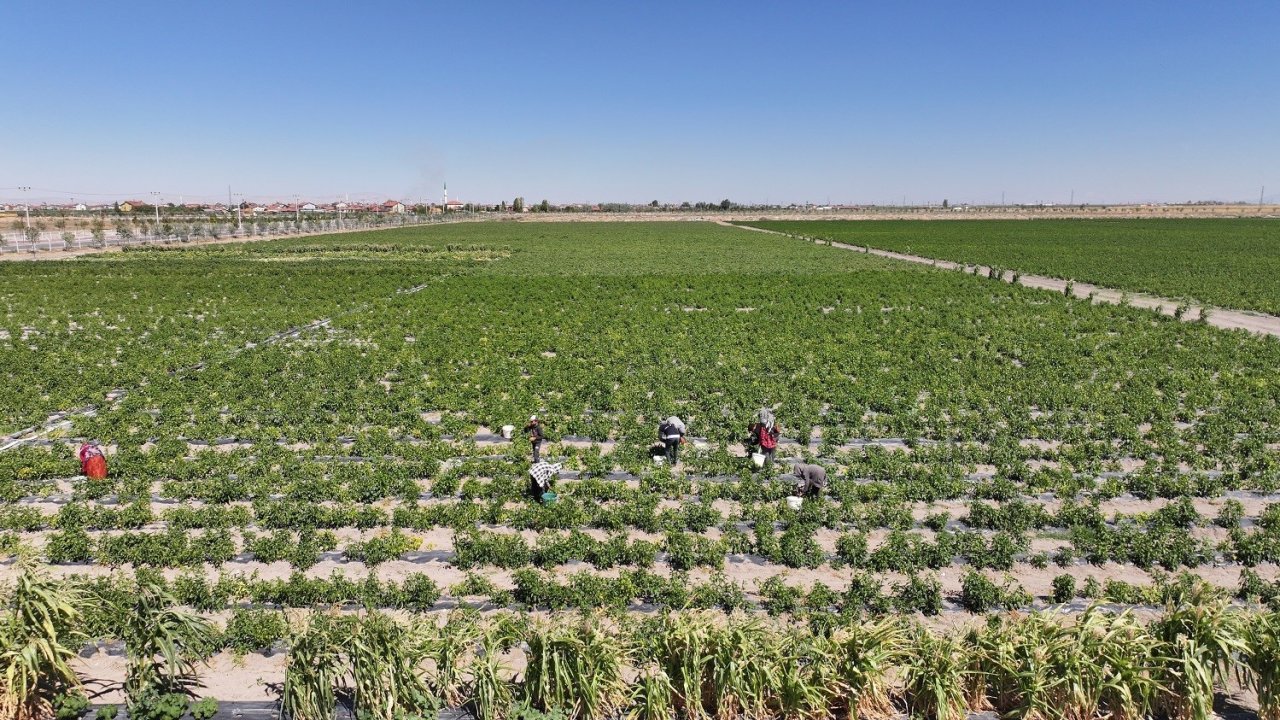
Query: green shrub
{"points": [[777, 597], [70, 705], [978, 594], [204, 709], [921, 594], [254, 630], [1064, 588], [421, 593], [69, 546], [382, 547], [152, 705]]}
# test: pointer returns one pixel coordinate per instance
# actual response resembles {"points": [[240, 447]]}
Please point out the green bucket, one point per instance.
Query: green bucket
{"points": [[548, 497]]}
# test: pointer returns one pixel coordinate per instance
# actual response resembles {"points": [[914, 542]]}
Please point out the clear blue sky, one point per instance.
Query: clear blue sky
{"points": [[603, 101]]}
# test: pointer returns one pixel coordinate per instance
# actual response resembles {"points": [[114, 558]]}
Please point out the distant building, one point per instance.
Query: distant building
{"points": [[393, 206], [130, 205]]}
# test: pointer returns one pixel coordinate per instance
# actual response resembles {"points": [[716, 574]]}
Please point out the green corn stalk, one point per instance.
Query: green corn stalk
{"points": [[742, 668], [684, 650], [1196, 640], [447, 647], [1262, 662], [490, 692], [934, 673], [163, 644], [1012, 666], [651, 696], [385, 660], [38, 634], [862, 656], [803, 667], [575, 669], [1115, 660], [1035, 644], [312, 672]]}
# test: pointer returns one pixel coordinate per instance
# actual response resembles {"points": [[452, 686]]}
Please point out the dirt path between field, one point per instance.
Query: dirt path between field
{"points": [[1218, 317]]}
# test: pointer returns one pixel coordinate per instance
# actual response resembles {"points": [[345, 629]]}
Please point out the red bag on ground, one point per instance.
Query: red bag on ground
{"points": [[93, 464]]}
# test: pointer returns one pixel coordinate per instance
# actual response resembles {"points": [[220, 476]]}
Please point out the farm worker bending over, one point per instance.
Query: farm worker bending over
{"points": [[810, 479], [93, 463], [543, 474], [762, 436], [671, 432], [536, 435]]}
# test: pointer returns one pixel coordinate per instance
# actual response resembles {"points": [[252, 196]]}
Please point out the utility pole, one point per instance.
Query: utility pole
{"points": [[1073, 197], [156, 204], [1261, 194], [26, 203], [297, 211], [1001, 198]]}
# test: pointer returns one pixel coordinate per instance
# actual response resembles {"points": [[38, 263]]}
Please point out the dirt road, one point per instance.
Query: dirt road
{"points": [[1218, 317]]}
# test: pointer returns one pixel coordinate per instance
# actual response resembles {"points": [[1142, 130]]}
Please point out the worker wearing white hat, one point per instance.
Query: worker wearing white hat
{"points": [[536, 436]]}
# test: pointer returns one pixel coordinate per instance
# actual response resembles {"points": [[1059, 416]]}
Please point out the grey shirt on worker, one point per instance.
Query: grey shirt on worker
{"points": [[809, 476]]}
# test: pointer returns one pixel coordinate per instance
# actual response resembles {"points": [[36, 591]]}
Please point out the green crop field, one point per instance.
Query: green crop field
{"points": [[1233, 263], [307, 476]]}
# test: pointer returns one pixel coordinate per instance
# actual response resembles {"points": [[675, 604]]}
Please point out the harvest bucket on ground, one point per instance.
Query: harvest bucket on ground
{"points": [[507, 431], [757, 459]]}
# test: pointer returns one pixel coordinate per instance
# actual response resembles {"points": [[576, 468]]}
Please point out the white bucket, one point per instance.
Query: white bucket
{"points": [[757, 459], [658, 460], [794, 502], [507, 431]]}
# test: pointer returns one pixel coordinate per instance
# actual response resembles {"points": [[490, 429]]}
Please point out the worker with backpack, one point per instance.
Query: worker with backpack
{"points": [[671, 432]]}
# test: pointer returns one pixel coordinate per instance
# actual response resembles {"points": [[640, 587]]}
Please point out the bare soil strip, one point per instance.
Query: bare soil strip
{"points": [[1218, 317]]}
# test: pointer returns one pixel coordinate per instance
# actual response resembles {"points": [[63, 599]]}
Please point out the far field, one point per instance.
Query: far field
{"points": [[1232, 263], [313, 422]]}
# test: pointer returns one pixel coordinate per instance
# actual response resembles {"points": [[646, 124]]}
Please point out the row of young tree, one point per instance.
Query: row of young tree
{"points": [[127, 230]]}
